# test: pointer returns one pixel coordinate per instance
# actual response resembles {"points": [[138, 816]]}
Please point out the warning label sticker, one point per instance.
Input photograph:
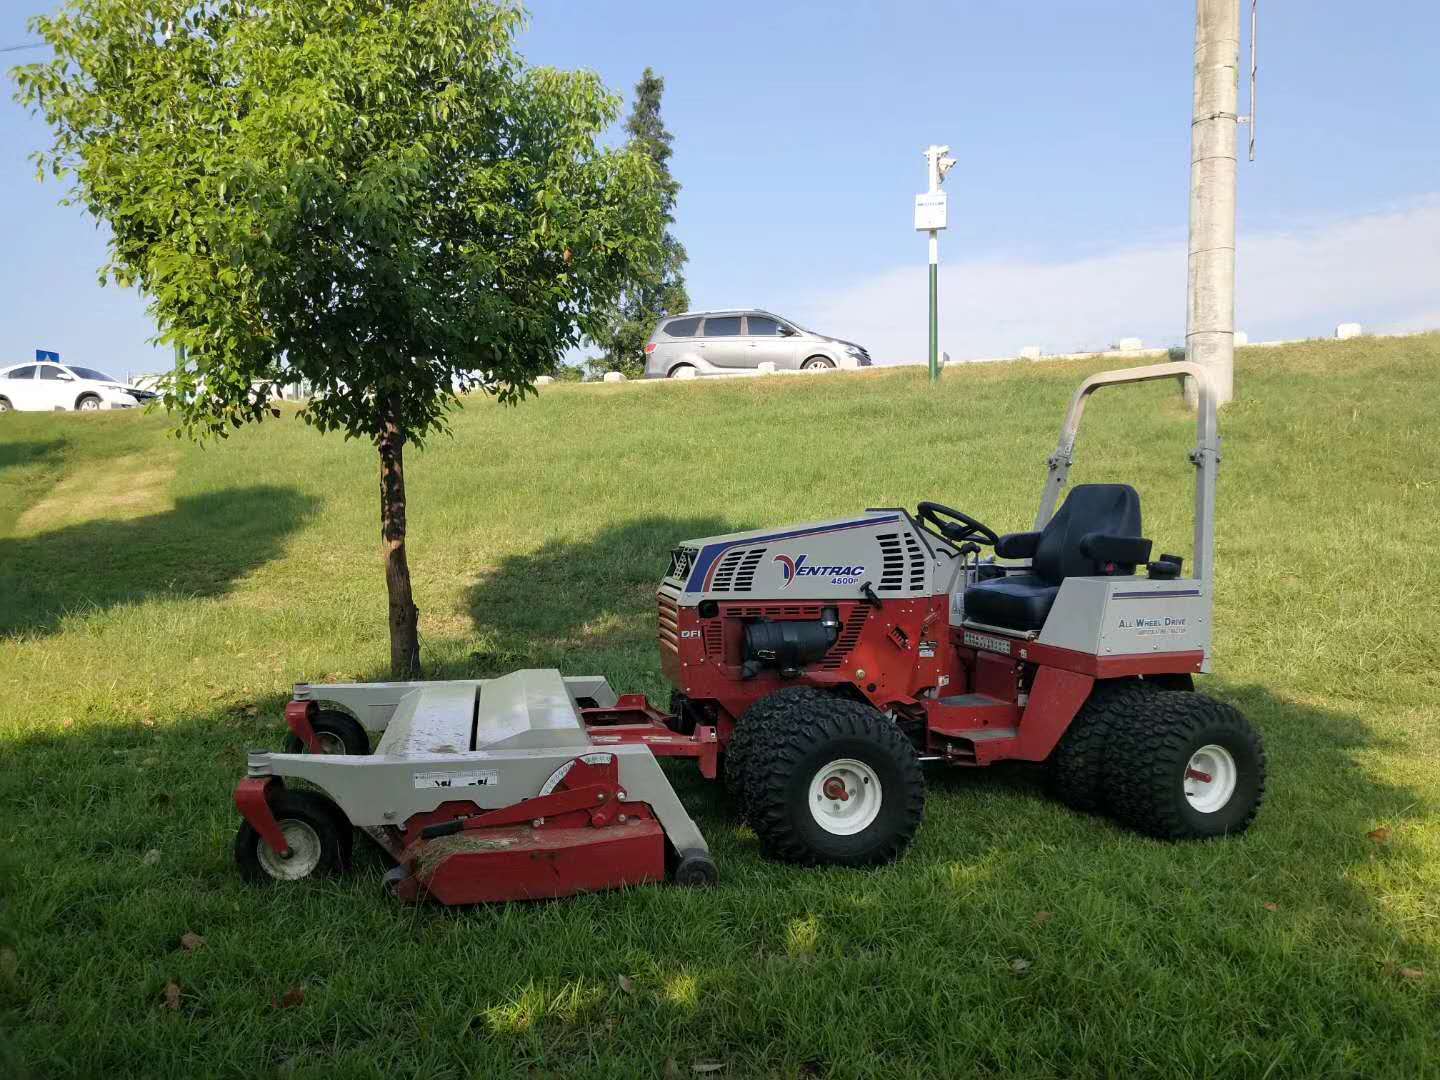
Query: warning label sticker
{"points": [[435, 778]]}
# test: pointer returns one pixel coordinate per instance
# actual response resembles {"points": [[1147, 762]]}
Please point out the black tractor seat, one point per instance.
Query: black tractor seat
{"points": [[1095, 532]]}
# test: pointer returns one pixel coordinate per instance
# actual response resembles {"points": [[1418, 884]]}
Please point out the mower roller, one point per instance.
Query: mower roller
{"points": [[816, 667]]}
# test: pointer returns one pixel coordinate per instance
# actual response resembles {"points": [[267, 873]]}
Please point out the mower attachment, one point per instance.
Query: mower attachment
{"points": [[488, 790]]}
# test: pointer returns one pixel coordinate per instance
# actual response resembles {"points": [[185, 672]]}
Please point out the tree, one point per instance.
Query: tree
{"points": [[660, 289], [377, 197]]}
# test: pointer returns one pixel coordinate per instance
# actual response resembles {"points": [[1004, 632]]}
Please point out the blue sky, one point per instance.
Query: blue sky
{"points": [[798, 135]]}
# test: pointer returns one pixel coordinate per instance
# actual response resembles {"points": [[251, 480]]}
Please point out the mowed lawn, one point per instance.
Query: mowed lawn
{"points": [[157, 601]]}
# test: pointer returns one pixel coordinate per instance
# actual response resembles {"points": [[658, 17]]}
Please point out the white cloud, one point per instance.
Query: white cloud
{"points": [[1382, 270]]}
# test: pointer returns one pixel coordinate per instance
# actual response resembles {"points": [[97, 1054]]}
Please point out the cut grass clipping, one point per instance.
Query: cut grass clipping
{"points": [[146, 642]]}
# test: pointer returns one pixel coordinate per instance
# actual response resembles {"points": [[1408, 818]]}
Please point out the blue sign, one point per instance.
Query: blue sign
{"points": [[42, 355]]}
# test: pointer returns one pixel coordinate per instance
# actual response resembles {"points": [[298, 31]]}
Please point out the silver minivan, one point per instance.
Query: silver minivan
{"points": [[728, 342]]}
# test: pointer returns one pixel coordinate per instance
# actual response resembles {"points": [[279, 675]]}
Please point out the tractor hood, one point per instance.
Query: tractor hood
{"points": [[819, 560]]}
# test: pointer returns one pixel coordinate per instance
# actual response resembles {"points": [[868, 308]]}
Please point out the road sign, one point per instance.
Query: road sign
{"points": [[930, 211], [43, 355]]}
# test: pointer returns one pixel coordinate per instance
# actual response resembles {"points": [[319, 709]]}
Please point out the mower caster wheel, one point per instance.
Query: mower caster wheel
{"points": [[833, 781], [696, 869], [1186, 768], [338, 732], [316, 830]]}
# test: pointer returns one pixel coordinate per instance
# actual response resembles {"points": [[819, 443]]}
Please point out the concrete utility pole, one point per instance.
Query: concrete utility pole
{"points": [[1210, 295], [930, 216]]}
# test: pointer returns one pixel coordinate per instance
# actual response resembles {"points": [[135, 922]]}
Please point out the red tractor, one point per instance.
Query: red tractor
{"points": [[830, 660]]}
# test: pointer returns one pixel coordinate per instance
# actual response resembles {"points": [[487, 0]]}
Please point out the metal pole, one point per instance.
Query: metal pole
{"points": [[934, 306], [1210, 293]]}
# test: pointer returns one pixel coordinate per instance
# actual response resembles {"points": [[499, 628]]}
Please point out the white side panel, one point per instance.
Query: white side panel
{"points": [[1119, 616]]}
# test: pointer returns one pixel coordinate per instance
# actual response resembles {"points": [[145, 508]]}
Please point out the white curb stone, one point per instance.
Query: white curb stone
{"points": [[614, 376], [1347, 330]]}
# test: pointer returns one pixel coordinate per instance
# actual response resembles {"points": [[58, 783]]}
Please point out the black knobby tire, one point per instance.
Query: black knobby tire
{"points": [[342, 728], [1075, 770], [1146, 774], [1178, 681], [737, 753], [797, 741], [321, 821]]}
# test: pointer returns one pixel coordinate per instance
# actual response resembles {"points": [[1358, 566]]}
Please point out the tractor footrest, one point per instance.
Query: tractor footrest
{"points": [[526, 863], [972, 716]]}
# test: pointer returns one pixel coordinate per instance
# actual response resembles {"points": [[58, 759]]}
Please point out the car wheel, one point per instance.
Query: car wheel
{"points": [[818, 363], [88, 403], [5, 405], [678, 368]]}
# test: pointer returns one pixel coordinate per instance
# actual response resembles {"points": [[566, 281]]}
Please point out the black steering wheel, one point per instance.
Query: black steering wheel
{"points": [[958, 530]]}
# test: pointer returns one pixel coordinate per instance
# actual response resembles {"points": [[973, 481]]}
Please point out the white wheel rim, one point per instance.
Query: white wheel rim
{"points": [[1210, 778], [304, 854], [845, 797], [89, 405]]}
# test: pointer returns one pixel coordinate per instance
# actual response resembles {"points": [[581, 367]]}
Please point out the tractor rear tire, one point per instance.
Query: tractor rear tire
{"points": [[1075, 771], [737, 754], [832, 781], [317, 830], [1187, 767], [338, 732]]}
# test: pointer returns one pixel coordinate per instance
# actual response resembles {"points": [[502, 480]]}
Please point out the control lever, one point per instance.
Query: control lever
{"points": [[868, 592]]}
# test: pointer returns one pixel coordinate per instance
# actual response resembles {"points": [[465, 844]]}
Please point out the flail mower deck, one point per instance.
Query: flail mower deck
{"points": [[826, 662], [498, 789]]}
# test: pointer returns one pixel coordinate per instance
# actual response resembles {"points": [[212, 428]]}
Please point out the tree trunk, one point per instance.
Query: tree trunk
{"points": [[404, 633]]}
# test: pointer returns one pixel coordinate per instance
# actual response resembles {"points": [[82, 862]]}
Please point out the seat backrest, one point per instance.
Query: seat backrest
{"points": [[1089, 508]]}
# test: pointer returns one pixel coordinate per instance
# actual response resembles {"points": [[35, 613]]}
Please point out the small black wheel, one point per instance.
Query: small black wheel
{"points": [[1075, 770], [830, 780], [737, 754], [1187, 767], [312, 825], [339, 733], [696, 870]]}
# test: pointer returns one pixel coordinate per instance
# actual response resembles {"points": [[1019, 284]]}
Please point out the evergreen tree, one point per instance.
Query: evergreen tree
{"points": [[660, 290]]}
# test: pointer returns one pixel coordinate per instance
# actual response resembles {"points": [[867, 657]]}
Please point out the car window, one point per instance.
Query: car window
{"points": [[22, 373], [91, 374], [761, 326], [51, 372], [724, 326], [682, 327]]}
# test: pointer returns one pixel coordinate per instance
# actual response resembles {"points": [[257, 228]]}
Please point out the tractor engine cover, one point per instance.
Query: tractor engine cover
{"points": [[789, 645]]}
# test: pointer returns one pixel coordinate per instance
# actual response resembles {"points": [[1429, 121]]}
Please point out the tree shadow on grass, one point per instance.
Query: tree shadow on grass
{"points": [[570, 595], [32, 452], [199, 548]]}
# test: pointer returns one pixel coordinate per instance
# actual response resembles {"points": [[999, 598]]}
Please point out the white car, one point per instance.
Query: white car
{"points": [[47, 386]]}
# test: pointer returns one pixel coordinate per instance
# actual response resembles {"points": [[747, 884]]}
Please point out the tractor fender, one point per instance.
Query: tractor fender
{"points": [[1055, 698]]}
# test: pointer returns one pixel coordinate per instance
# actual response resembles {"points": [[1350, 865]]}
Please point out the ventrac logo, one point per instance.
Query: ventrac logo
{"points": [[798, 567]]}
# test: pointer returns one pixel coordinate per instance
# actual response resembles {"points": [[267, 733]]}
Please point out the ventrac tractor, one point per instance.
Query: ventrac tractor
{"points": [[816, 668]]}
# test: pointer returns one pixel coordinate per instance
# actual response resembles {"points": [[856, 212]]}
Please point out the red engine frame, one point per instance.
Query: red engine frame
{"points": [[1012, 699]]}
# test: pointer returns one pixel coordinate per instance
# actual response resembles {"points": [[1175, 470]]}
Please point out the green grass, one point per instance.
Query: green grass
{"points": [[157, 601]]}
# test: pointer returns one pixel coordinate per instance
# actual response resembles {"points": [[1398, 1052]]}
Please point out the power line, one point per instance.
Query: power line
{"points": [[31, 45]]}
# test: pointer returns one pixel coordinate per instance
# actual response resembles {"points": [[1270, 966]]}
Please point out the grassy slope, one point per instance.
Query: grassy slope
{"points": [[153, 615]]}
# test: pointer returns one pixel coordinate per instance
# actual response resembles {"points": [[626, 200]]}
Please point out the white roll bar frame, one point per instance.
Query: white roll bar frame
{"points": [[1205, 457]]}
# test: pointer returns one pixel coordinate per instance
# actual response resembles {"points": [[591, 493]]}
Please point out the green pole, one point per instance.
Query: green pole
{"points": [[934, 324]]}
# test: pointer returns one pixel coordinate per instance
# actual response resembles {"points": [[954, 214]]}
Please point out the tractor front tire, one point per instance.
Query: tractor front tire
{"points": [[832, 781], [338, 732], [781, 703], [1186, 767], [317, 831], [1075, 771]]}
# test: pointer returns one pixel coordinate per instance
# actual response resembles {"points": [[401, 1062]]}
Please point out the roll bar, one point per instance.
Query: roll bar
{"points": [[1205, 457]]}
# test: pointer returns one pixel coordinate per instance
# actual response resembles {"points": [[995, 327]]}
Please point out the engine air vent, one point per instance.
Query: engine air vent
{"points": [[736, 572], [892, 563], [917, 562]]}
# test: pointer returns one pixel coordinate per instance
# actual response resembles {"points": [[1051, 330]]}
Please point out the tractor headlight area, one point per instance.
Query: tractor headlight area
{"points": [[789, 644]]}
